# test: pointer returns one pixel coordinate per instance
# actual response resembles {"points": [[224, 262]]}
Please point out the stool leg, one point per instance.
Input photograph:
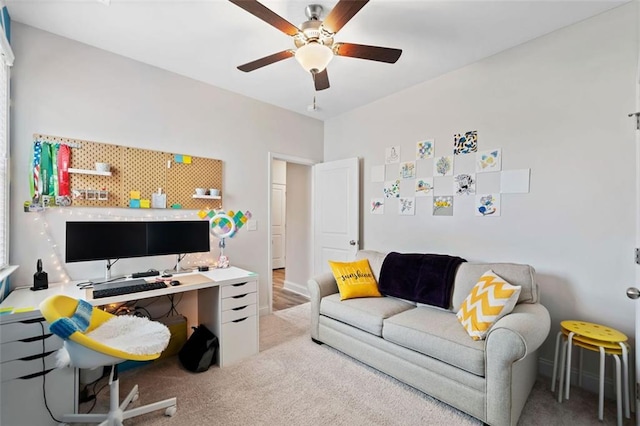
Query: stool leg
{"points": [[625, 373], [618, 390], [563, 360], [555, 362], [580, 368], [601, 386], [568, 378]]}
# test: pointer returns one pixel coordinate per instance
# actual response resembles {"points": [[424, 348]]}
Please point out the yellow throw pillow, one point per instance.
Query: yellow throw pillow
{"points": [[490, 299], [355, 279]]}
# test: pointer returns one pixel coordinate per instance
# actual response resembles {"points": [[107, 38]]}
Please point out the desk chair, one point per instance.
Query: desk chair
{"points": [[94, 338]]}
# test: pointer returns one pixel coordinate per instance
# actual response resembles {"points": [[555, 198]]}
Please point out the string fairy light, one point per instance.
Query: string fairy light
{"points": [[54, 257]]}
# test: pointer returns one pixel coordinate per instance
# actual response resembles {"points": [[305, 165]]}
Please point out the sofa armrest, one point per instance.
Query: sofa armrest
{"points": [[528, 323], [319, 286], [511, 360]]}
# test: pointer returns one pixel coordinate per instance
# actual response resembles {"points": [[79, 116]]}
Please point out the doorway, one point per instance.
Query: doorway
{"points": [[290, 230]]}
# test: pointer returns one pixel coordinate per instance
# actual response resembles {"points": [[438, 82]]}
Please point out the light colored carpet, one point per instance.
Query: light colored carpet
{"points": [[293, 381]]}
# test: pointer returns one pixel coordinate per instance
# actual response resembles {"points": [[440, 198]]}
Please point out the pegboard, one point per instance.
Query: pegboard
{"points": [[144, 171], [135, 169], [84, 156], [184, 178]]}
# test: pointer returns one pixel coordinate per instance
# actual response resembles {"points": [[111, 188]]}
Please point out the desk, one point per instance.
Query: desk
{"points": [[227, 303]]}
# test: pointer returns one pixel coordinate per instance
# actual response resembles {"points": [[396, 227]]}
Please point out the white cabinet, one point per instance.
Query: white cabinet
{"points": [[239, 321], [27, 361]]}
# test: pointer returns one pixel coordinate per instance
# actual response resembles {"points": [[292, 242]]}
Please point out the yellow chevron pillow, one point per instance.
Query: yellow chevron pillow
{"points": [[355, 279], [490, 299]]}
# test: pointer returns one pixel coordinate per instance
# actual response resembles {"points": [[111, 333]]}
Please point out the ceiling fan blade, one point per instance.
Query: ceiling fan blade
{"points": [[342, 13], [267, 60], [267, 15], [321, 80], [362, 51]]}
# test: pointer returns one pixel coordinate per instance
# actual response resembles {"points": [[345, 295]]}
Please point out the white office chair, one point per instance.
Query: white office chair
{"points": [[95, 338]]}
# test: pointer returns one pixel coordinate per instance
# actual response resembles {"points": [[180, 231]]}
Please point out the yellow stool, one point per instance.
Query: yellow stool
{"points": [[597, 338]]}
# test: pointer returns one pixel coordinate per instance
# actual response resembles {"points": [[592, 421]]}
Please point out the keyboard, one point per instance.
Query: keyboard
{"points": [[125, 287]]}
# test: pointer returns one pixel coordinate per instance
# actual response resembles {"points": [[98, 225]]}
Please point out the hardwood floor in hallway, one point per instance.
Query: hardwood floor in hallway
{"points": [[283, 299]]}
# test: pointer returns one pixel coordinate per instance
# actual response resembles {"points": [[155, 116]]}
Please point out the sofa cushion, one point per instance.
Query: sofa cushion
{"points": [[354, 279], [516, 274], [490, 299], [364, 313], [438, 334], [376, 259]]}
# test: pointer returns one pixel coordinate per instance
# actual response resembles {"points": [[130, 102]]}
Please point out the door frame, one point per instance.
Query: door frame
{"points": [[289, 159], [636, 140]]}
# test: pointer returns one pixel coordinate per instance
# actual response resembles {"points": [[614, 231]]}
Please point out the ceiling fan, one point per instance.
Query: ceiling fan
{"points": [[314, 42]]}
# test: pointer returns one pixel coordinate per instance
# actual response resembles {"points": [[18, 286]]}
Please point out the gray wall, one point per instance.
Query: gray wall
{"points": [[64, 88], [557, 105]]}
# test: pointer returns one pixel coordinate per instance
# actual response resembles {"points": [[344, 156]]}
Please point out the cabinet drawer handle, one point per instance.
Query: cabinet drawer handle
{"points": [[240, 296], [238, 285], [240, 320], [239, 308], [37, 356], [32, 321], [36, 338], [38, 374]]}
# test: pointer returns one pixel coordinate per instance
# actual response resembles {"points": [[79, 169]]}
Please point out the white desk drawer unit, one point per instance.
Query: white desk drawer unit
{"points": [[27, 359], [239, 289], [239, 303], [21, 368], [237, 314]]}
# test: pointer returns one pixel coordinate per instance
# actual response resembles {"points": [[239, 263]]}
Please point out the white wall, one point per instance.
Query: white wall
{"points": [[557, 105], [64, 88], [298, 247]]}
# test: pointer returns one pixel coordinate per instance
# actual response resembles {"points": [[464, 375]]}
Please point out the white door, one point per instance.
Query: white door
{"points": [[278, 220], [336, 213], [633, 292]]}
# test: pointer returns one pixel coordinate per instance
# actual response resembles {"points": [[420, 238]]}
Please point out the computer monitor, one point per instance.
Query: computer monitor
{"points": [[177, 237], [86, 241]]}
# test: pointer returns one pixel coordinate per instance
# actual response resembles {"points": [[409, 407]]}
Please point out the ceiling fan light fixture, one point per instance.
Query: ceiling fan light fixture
{"points": [[314, 57]]}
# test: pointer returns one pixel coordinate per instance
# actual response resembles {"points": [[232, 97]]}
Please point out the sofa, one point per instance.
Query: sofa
{"points": [[427, 348]]}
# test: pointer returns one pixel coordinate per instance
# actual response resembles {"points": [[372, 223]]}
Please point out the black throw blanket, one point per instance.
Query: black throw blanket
{"points": [[423, 278]]}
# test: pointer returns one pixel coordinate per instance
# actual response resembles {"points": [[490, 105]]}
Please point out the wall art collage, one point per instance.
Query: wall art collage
{"points": [[443, 179]]}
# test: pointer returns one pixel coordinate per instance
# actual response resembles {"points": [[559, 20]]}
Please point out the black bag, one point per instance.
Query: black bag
{"points": [[199, 351]]}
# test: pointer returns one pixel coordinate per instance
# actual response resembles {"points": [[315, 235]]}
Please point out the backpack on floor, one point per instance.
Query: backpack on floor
{"points": [[199, 351]]}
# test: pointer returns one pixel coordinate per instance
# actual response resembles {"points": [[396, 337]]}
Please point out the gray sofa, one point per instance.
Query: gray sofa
{"points": [[427, 348]]}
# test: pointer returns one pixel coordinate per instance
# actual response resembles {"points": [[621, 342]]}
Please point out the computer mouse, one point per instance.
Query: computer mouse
{"points": [[166, 275], [175, 282]]}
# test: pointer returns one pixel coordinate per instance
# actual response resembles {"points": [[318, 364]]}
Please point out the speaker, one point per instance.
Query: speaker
{"points": [[40, 278]]}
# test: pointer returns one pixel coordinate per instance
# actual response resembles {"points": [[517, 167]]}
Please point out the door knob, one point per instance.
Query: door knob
{"points": [[353, 242], [633, 293]]}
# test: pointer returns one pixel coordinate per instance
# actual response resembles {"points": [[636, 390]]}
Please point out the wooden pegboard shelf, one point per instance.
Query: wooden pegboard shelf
{"points": [[88, 172], [207, 197]]}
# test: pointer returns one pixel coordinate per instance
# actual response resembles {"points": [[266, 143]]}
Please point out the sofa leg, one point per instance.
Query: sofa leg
{"points": [[317, 342]]}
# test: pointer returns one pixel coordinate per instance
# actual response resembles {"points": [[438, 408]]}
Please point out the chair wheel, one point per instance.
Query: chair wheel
{"points": [[135, 397], [170, 411]]}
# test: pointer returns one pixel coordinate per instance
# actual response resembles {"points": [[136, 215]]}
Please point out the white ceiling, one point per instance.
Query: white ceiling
{"points": [[207, 39]]}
